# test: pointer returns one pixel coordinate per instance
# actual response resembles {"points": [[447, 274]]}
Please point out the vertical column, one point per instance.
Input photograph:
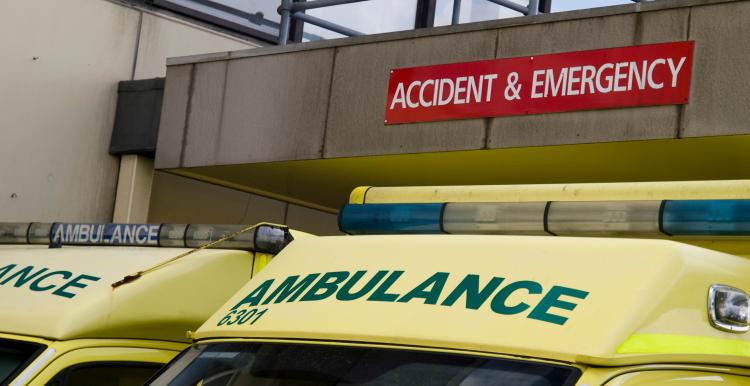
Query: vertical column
{"points": [[133, 189]]}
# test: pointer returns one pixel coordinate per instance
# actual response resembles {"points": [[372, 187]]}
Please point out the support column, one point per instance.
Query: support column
{"points": [[133, 189]]}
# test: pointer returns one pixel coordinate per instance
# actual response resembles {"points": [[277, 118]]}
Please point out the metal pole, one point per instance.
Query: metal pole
{"points": [[326, 24], [285, 10], [509, 4], [533, 7], [321, 3], [456, 11]]}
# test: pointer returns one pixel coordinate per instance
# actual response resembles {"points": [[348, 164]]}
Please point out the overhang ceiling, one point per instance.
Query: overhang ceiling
{"points": [[325, 183]]}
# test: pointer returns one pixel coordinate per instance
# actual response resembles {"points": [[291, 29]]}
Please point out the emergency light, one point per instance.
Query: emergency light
{"points": [[573, 218], [264, 238]]}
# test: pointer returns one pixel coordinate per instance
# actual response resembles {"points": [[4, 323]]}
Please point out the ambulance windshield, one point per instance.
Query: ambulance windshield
{"points": [[14, 356], [236, 364]]}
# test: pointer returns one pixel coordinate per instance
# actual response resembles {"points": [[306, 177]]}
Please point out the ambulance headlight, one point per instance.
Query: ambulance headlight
{"points": [[728, 308]]}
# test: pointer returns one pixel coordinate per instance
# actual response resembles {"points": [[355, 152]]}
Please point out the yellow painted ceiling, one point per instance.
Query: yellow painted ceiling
{"points": [[326, 183]]}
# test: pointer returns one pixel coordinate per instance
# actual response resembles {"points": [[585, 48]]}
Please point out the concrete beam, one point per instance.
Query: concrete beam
{"points": [[205, 114], [720, 88], [360, 82], [655, 122], [275, 108], [327, 99], [174, 112]]}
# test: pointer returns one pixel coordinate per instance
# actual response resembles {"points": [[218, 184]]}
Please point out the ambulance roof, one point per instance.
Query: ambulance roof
{"points": [[600, 301], [65, 293]]}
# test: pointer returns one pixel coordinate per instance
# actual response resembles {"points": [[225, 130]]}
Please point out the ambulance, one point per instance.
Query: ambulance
{"points": [[550, 285], [109, 304]]}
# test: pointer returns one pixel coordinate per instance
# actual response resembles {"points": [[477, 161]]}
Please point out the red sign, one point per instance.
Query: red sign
{"points": [[653, 74]]}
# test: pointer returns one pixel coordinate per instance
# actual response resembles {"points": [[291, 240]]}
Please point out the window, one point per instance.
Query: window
{"points": [[15, 356], [256, 18], [105, 374], [368, 17], [473, 11], [239, 364]]}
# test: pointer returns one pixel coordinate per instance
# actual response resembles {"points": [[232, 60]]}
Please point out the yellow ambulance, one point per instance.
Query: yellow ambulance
{"points": [[109, 304], [603, 284]]}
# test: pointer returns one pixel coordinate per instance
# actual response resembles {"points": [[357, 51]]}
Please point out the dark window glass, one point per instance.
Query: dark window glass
{"points": [[105, 374], [225, 364], [15, 356]]}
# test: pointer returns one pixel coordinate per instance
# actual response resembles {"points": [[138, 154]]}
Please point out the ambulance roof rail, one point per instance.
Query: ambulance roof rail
{"points": [[267, 238]]}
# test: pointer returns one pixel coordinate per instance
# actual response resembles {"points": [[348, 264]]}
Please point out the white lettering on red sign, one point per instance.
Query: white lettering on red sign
{"points": [[619, 77]]}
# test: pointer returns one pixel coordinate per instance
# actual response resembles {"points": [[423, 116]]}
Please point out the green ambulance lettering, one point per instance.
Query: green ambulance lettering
{"points": [[74, 283], [381, 293], [429, 290], [345, 294], [254, 297], [499, 301], [474, 297], [552, 300], [6, 269], [35, 285], [291, 289], [22, 276], [315, 287], [34, 278], [329, 283]]}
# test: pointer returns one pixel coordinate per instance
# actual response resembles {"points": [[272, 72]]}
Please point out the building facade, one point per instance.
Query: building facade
{"points": [[283, 134], [62, 61], [304, 124]]}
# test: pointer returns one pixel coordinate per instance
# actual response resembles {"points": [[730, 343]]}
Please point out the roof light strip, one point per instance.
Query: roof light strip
{"points": [[572, 218], [264, 238]]}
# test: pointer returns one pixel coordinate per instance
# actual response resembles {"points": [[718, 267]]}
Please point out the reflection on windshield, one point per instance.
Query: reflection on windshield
{"points": [[235, 364], [14, 356]]}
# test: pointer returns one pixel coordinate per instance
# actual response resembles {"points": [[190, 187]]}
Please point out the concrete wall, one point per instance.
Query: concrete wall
{"points": [[59, 71], [326, 100]]}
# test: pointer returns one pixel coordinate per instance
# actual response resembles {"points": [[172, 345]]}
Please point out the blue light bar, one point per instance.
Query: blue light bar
{"points": [[572, 218], [390, 219], [706, 217]]}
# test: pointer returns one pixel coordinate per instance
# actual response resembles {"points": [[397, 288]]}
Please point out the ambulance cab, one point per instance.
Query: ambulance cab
{"points": [[554, 285], [109, 304]]}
